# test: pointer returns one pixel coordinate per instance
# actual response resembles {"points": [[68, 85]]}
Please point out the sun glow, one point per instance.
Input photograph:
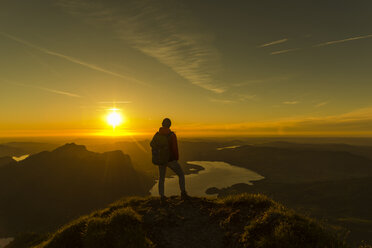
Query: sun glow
{"points": [[114, 118]]}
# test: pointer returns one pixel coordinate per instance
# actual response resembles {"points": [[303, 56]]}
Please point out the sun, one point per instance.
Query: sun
{"points": [[114, 118]]}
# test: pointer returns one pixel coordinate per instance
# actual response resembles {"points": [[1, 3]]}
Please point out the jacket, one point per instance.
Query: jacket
{"points": [[173, 146]]}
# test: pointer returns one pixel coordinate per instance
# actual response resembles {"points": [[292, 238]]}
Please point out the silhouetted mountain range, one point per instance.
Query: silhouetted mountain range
{"points": [[21, 148], [292, 165], [365, 151], [50, 188], [9, 151]]}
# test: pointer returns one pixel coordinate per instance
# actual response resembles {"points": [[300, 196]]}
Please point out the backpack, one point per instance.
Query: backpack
{"points": [[160, 148]]}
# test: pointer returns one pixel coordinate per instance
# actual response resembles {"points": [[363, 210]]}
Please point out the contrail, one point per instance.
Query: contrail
{"points": [[274, 43], [344, 40], [71, 59], [60, 92], [285, 51]]}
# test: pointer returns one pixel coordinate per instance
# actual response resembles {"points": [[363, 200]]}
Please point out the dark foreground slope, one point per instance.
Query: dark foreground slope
{"points": [[5, 160], [239, 221], [50, 188]]}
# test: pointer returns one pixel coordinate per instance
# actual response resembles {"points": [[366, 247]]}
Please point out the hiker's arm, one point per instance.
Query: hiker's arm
{"points": [[152, 143], [175, 146]]}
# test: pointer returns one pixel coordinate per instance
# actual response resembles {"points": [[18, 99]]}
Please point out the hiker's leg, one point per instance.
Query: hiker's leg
{"points": [[175, 166], [162, 170]]}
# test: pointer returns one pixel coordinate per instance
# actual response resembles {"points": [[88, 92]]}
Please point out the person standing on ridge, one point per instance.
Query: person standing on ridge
{"points": [[165, 154]]}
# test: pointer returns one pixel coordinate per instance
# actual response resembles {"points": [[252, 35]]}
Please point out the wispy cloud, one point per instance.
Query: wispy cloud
{"points": [[235, 98], [245, 97], [321, 104], [262, 80], [59, 92], [41, 62], [224, 101], [55, 91], [357, 122], [274, 43], [344, 40], [317, 45], [115, 102], [285, 51], [70, 59], [291, 102], [160, 29]]}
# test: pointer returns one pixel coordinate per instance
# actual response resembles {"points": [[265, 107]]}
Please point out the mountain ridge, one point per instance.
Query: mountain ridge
{"points": [[70, 181], [245, 220]]}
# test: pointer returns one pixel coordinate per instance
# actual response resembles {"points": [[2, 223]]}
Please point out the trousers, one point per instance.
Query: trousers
{"points": [[174, 166]]}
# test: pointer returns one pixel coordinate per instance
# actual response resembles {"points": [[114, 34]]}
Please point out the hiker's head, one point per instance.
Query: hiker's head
{"points": [[166, 123]]}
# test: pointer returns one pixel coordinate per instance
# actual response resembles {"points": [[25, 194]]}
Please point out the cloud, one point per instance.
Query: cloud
{"points": [[69, 58], [235, 98], [59, 92], [343, 40], [160, 29], [318, 45], [262, 80], [321, 104], [42, 62], [274, 43], [224, 101], [285, 51], [246, 97], [357, 122], [291, 102]]}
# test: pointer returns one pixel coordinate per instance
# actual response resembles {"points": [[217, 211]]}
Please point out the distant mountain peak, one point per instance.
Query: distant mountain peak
{"points": [[71, 147], [114, 153]]}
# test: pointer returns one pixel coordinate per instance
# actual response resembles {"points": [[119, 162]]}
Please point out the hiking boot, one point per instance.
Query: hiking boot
{"points": [[163, 199], [185, 196]]}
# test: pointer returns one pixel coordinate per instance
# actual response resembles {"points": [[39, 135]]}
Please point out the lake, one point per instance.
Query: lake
{"points": [[20, 158], [227, 147], [215, 174]]}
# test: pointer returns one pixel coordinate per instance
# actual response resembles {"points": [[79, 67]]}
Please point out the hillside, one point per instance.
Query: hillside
{"points": [[345, 203], [5, 160], [328, 181], [6, 151], [293, 165], [31, 147], [365, 151], [239, 221], [60, 185]]}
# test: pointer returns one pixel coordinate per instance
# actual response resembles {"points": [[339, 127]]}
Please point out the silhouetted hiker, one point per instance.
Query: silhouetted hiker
{"points": [[165, 154]]}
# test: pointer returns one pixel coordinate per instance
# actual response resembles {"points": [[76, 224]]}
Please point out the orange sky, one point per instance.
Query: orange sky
{"points": [[249, 68]]}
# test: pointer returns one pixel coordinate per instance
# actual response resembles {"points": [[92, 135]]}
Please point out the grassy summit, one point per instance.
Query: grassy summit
{"points": [[245, 220]]}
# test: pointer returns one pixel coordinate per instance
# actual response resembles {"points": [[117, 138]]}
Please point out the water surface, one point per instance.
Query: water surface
{"points": [[215, 174], [20, 158], [227, 147]]}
